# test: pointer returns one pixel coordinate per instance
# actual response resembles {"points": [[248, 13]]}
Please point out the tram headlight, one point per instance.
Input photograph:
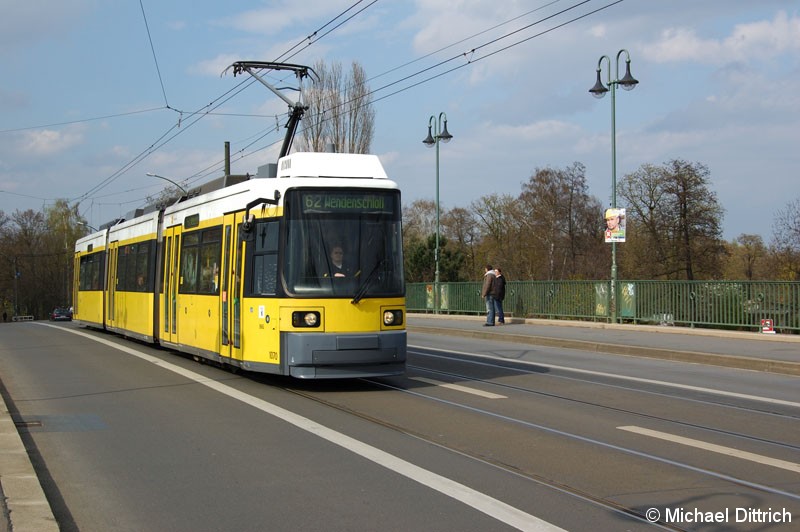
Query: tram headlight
{"points": [[392, 317], [305, 319]]}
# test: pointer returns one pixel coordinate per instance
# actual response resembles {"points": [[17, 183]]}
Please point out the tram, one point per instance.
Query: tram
{"points": [[243, 272]]}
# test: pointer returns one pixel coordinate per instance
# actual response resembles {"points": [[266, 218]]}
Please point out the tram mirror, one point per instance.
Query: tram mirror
{"points": [[246, 234]]}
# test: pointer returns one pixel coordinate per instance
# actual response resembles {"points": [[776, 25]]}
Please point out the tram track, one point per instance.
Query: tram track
{"points": [[511, 365], [510, 469], [551, 483], [713, 430], [566, 486]]}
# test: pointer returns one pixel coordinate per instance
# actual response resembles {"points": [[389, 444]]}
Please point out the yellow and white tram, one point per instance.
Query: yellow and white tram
{"points": [[244, 275]]}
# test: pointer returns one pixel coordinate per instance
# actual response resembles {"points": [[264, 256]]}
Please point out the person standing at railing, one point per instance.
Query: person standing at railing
{"points": [[486, 294], [499, 294]]}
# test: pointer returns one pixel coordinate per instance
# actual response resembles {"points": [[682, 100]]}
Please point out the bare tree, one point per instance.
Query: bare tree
{"points": [[339, 112], [678, 217], [460, 227], [746, 256], [699, 218], [563, 221], [786, 240], [36, 250], [419, 219], [494, 217]]}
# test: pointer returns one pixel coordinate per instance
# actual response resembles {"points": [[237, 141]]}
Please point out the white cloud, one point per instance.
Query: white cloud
{"points": [[762, 39], [543, 130], [49, 142], [215, 66], [598, 31]]}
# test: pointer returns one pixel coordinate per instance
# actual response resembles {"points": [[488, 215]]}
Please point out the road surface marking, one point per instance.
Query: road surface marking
{"points": [[624, 377], [729, 451], [479, 501], [459, 388]]}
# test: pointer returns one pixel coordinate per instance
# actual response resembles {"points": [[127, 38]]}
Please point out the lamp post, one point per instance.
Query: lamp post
{"points": [[599, 90], [185, 193], [440, 134], [87, 225]]}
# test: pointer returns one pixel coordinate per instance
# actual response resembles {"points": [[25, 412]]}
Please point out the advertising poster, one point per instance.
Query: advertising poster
{"points": [[615, 225]]}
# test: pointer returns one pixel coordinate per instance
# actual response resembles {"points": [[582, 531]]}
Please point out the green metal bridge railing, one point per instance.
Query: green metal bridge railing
{"points": [[738, 305]]}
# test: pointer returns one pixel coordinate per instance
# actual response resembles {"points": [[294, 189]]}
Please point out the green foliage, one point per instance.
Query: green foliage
{"points": [[420, 261]]}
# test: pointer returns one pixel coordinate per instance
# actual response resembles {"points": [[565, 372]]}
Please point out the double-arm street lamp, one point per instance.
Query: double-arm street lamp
{"points": [[599, 90], [440, 133]]}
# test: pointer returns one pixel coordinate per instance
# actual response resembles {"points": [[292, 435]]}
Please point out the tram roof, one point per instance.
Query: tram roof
{"points": [[322, 164], [309, 166]]}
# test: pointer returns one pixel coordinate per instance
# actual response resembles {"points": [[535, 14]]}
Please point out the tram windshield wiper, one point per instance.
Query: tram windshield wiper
{"points": [[362, 290]]}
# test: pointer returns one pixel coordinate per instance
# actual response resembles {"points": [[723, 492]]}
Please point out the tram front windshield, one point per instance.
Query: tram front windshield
{"points": [[343, 243]]}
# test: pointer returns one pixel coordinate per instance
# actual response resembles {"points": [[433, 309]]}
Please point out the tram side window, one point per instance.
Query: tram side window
{"points": [[200, 258], [92, 271], [133, 267], [123, 252], [265, 259], [191, 244]]}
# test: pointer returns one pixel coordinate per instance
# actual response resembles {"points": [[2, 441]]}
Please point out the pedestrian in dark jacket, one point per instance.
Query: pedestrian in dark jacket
{"points": [[499, 294], [486, 294]]}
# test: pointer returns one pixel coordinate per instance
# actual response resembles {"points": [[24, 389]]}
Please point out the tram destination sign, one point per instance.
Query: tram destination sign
{"points": [[347, 202]]}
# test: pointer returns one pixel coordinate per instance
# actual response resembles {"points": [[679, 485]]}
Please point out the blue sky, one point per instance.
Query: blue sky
{"points": [[82, 104]]}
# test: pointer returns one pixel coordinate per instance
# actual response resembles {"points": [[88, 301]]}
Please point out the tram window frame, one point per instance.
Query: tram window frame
{"points": [[262, 259], [135, 263], [92, 271], [199, 247], [316, 219]]}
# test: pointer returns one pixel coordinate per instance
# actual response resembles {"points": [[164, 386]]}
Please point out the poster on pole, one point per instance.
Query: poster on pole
{"points": [[615, 225]]}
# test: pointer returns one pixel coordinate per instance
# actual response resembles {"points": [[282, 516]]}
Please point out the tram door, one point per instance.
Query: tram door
{"points": [[111, 291], [169, 299], [231, 289]]}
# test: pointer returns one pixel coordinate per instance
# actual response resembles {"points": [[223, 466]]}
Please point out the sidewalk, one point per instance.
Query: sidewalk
{"points": [[24, 505], [776, 353]]}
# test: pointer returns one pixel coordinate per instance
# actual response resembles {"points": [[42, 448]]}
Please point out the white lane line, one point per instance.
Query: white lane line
{"points": [[729, 451], [459, 388], [625, 377], [483, 503]]}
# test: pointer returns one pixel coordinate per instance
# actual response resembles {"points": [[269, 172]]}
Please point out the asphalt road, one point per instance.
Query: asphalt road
{"points": [[482, 433]]}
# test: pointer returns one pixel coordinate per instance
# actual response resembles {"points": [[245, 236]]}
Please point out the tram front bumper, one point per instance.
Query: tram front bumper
{"points": [[330, 355]]}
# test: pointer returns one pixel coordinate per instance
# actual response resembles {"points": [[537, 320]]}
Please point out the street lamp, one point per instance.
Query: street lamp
{"points": [[599, 90], [185, 193], [87, 225], [430, 141]]}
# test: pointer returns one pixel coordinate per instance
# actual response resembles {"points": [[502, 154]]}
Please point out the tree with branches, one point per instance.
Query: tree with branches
{"points": [[786, 240], [677, 220], [340, 111]]}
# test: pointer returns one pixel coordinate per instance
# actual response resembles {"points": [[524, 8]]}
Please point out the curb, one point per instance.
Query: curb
{"points": [[729, 361], [27, 507]]}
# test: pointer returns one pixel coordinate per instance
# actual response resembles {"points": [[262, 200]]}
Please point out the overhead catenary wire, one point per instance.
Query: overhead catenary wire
{"points": [[155, 58], [314, 37], [465, 39], [469, 61], [512, 45], [199, 114], [468, 55], [80, 121]]}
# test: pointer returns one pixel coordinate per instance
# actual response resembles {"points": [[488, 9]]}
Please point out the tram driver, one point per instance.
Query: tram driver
{"points": [[337, 264]]}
